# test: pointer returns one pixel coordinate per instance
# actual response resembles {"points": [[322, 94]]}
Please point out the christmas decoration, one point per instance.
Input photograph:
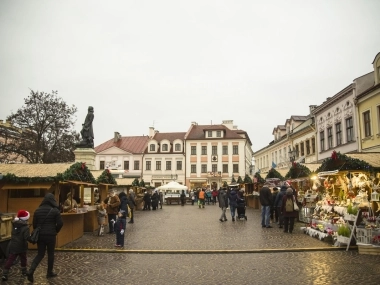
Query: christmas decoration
{"points": [[77, 172], [298, 170], [273, 173], [259, 178], [240, 180], [340, 162], [247, 179], [106, 178], [135, 182]]}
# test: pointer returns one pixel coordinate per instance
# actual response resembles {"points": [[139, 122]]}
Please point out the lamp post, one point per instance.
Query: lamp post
{"points": [[293, 154]]}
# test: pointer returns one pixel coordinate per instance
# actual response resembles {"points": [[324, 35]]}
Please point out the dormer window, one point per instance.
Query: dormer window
{"points": [[165, 147], [152, 147], [218, 134], [177, 147], [209, 134]]}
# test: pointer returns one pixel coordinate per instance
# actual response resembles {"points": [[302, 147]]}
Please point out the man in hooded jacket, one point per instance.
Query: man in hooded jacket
{"points": [[48, 218]]}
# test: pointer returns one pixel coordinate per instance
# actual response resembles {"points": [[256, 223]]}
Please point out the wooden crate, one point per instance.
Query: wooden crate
{"points": [[369, 249], [6, 226]]}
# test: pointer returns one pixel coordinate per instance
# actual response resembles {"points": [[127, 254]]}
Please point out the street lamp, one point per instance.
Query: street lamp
{"points": [[293, 154]]}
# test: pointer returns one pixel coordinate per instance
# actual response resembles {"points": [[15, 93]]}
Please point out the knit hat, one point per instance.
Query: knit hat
{"points": [[289, 191], [22, 215]]}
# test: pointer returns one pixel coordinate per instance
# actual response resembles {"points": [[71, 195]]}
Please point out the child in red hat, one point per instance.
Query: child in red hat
{"points": [[18, 245]]}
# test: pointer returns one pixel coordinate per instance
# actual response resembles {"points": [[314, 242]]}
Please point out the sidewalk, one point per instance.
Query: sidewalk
{"points": [[190, 229]]}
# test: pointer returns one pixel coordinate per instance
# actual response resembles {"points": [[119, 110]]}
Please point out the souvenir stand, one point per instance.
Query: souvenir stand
{"points": [[344, 212], [252, 192]]}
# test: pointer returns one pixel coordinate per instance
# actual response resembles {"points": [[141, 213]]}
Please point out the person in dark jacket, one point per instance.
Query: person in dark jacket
{"points": [[123, 202], [131, 204], [18, 244], [48, 218], [278, 205], [155, 199], [289, 216], [183, 198], [120, 224], [233, 203], [266, 202], [147, 201], [273, 208], [113, 204], [223, 203]]}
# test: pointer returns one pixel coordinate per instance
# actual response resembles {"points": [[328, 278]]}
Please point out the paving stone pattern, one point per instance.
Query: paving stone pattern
{"points": [[189, 228]]}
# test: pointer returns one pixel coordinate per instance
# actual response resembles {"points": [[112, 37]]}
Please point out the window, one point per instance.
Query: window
{"points": [[329, 137], [168, 165], [322, 140], [214, 167], [378, 118], [126, 165], [297, 150], [235, 149], [214, 150], [148, 165], [193, 168], [158, 165], [177, 147], [307, 147], [101, 166], [165, 147], [367, 124], [302, 149], [218, 134], [203, 168], [209, 134], [225, 168], [179, 165], [338, 131], [193, 150], [225, 150], [313, 145], [204, 150], [152, 147], [235, 168], [349, 130], [137, 165]]}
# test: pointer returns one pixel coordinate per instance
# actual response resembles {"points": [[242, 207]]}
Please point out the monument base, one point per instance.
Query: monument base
{"points": [[86, 155]]}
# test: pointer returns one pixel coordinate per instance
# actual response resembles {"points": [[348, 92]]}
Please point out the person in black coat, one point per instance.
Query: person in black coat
{"points": [[278, 204], [48, 218], [266, 202], [155, 199]]}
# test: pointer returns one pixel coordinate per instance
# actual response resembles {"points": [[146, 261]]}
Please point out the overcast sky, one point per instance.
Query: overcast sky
{"points": [[169, 63]]}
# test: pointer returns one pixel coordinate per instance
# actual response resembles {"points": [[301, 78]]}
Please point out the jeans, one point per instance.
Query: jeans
{"points": [[232, 209], [45, 243], [12, 257], [110, 224], [119, 236], [265, 216], [223, 216]]}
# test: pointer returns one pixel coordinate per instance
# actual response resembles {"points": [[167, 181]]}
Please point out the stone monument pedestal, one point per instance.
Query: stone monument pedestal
{"points": [[86, 155]]}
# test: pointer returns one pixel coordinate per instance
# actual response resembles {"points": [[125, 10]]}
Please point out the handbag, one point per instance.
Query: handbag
{"points": [[295, 206], [33, 238]]}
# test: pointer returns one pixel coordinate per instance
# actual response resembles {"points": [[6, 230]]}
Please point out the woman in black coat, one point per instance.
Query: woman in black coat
{"points": [[48, 218], [155, 199]]}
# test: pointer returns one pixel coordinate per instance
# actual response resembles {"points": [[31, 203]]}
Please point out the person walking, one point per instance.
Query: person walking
{"points": [[201, 198], [273, 208], [146, 199], [192, 196], [155, 199], [233, 203], [183, 198], [278, 205], [18, 244], [214, 196], [112, 202], [266, 202], [288, 211], [48, 218], [223, 203], [208, 196], [131, 204], [161, 198], [120, 225]]}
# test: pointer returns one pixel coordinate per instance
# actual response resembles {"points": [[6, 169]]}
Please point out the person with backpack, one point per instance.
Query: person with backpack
{"points": [[287, 210], [223, 203]]}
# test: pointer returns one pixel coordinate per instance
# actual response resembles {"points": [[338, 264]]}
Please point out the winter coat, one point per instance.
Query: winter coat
{"points": [[265, 196], [155, 199], [274, 196], [131, 200], [123, 202], [293, 214], [113, 205], [183, 196], [233, 198], [214, 193], [280, 195], [223, 199], [146, 198], [240, 200], [53, 220], [20, 235]]}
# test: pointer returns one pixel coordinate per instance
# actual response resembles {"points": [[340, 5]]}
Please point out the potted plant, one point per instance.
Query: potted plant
{"points": [[352, 212], [344, 233]]}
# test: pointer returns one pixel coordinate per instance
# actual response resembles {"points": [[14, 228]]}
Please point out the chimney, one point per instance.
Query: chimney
{"points": [[311, 108], [116, 137], [151, 132]]}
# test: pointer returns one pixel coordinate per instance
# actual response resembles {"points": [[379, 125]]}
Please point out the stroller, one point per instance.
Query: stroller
{"points": [[241, 209]]}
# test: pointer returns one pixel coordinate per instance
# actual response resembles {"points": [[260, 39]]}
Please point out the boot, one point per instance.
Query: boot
{"points": [[30, 273], [23, 271], [5, 275], [51, 274]]}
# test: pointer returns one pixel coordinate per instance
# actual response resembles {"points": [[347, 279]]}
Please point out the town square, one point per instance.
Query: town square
{"points": [[189, 142]]}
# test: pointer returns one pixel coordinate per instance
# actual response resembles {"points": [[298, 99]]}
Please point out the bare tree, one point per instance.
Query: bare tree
{"points": [[42, 130]]}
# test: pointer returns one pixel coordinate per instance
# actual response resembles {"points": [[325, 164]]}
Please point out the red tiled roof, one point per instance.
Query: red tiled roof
{"points": [[130, 144], [197, 132]]}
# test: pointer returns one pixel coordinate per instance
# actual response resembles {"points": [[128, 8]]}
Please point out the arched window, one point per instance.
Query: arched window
{"points": [[165, 147]]}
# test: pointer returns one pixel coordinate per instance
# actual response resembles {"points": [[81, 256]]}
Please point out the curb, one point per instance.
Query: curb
{"points": [[197, 251]]}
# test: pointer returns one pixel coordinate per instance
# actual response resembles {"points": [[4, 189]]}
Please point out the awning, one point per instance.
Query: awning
{"points": [[23, 186], [79, 183], [124, 181]]}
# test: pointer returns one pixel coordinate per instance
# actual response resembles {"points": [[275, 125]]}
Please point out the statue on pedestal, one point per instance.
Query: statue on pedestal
{"points": [[87, 131]]}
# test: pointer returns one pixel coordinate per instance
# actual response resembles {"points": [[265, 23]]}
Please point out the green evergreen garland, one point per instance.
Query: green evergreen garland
{"points": [[297, 170], [340, 162], [77, 172], [259, 178], [106, 178], [273, 173], [247, 179], [135, 182]]}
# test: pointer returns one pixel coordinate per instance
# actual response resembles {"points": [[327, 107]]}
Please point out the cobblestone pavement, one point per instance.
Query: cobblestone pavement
{"points": [[188, 228]]}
